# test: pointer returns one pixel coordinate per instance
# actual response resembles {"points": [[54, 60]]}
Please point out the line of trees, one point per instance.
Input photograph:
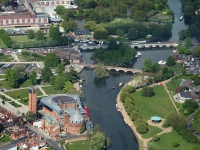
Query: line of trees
{"points": [[5, 40], [39, 35]]}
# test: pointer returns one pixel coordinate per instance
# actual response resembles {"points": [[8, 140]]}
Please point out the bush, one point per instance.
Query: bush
{"points": [[185, 112], [155, 138], [175, 144], [82, 130], [147, 92]]}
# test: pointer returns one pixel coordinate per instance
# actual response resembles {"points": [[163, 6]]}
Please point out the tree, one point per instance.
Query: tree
{"points": [[189, 10], [155, 138], [141, 126], [72, 75], [60, 68], [97, 128], [54, 33], [46, 73], [5, 39], [148, 65], [100, 33], [30, 116], [51, 60], [147, 92], [183, 34], [100, 71], [197, 51], [69, 26], [59, 82], [12, 76], [139, 15], [188, 42], [156, 67], [3, 102], [21, 73], [30, 34], [132, 34], [91, 25], [33, 77], [5, 2], [170, 61], [68, 86], [120, 32], [98, 141], [39, 35], [60, 9], [196, 148]]}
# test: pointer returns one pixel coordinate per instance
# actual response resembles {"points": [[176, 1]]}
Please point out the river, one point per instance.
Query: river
{"points": [[101, 98]]}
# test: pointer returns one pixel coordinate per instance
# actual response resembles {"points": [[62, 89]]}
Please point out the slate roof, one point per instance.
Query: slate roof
{"points": [[81, 32], [185, 95]]}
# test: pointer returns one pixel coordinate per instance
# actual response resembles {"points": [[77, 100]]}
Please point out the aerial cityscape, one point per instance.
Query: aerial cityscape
{"points": [[99, 75]]}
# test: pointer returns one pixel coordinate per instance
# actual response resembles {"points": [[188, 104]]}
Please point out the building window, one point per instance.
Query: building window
{"points": [[31, 20], [26, 20], [15, 20], [42, 19], [4, 21], [20, 20], [9, 21], [36, 20]]}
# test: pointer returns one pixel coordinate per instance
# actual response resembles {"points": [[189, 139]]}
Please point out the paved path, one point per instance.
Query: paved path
{"points": [[43, 92], [172, 100], [15, 57]]}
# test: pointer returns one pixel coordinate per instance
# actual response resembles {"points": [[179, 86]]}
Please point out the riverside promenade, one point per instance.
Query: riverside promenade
{"points": [[143, 143]]}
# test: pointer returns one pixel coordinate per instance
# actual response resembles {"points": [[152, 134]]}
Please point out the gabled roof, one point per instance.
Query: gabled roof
{"points": [[185, 95]]}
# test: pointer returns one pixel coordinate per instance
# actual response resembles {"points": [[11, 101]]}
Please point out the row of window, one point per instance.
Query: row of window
{"points": [[55, 0], [26, 20]]}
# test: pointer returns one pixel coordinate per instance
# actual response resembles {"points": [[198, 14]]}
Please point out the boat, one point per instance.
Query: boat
{"points": [[86, 111], [120, 84], [138, 55], [125, 122], [162, 62], [117, 106], [113, 87], [181, 18]]}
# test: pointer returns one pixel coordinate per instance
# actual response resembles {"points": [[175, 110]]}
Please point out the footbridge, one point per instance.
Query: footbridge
{"points": [[110, 68]]}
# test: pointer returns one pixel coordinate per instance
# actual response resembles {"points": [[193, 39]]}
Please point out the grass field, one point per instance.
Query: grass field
{"points": [[14, 104], [27, 83], [152, 131], [22, 38], [23, 92], [4, 84], [50, 90], [158, 105], [6, 58], [174, 83], [78, 145], [2, 76], [5, 139], [165, 142], [195, 125]]}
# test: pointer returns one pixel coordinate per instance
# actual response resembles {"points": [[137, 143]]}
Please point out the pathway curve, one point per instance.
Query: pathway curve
{"points": [[43, 92]]}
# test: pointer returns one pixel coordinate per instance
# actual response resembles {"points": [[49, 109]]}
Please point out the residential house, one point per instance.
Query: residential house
{"points": [[75, 57], [187, 83], [81, 34], [62, 54], [184, 96]]}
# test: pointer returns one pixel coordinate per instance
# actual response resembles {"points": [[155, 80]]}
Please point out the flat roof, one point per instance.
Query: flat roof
{"points": [[15, 16]]}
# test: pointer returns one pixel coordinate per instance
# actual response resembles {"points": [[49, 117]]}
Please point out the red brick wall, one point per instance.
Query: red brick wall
{"points": [[33, 102], [56, 131], [53, 113]]}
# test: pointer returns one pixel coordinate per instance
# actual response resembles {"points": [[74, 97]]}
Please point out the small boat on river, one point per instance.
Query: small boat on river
{"points": [[120, 84], [138, 55], [113, 87], [162, 62], [86, 111], [181, 18]]}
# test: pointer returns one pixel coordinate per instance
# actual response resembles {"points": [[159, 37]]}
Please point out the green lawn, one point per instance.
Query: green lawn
{"points": [[22, 38], [50, 90], [165, 142], [178, 105], [6, 58], [158, 105], [4, 84], [23, 92], [14, 104], [5, 139], [2, 76], [24, 101], [78, 145], [195, 125], [27, 83], [152, 131], [174, 83]]}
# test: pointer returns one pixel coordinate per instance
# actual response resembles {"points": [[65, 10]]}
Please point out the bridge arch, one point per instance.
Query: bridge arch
{"points": [[150, 46], [171, 46], [143, 47], [157, 46], [136, 47], [163, 46]]}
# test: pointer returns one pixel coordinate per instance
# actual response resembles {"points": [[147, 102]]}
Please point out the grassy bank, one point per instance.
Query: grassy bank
{"points": [[158, 105], [78, 145], [50, 90]]}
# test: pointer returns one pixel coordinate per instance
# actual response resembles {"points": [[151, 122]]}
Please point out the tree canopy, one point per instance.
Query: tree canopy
{"points": [[170, 61], [30, 116], [46, 73], [51, 60], [30, 34], [100, 71]]}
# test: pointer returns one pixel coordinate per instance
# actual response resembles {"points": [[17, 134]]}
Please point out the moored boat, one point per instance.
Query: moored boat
{"points": [[138, 55], [162, 62], [120, 84], [181, 18], [86, 111]]}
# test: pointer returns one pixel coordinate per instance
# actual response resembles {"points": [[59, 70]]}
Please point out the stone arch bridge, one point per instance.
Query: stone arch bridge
{"points": [[126, 70]]}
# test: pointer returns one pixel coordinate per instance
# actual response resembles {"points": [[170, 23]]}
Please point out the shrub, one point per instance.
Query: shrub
{"points": [[155, 138], [82, 130], [175, 144], [185, 112]]}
